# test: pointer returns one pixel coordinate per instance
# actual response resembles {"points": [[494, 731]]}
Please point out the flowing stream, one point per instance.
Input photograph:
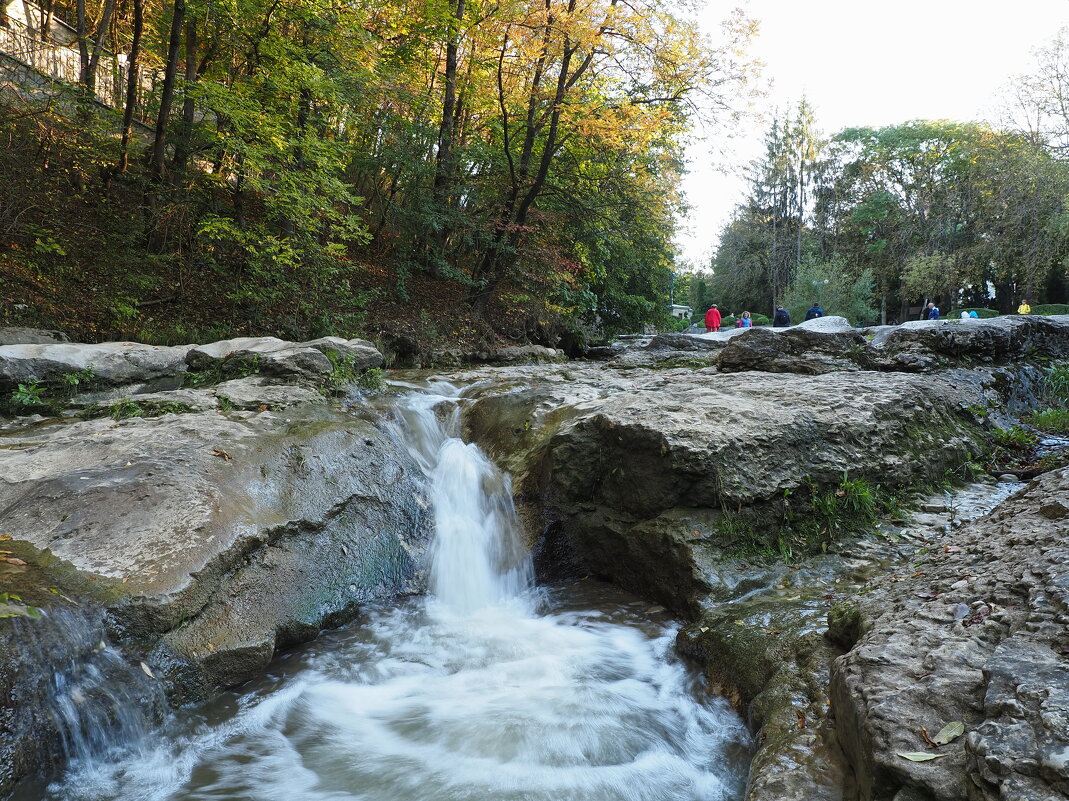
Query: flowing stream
{"points": [[488, 689]]}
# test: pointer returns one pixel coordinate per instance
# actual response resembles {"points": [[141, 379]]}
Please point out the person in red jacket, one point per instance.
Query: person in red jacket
{"points": [[712, 319]]}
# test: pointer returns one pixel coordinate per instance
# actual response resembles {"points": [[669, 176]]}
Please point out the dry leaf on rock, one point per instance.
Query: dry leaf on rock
{"points": [[949, 733], [919, 756]]}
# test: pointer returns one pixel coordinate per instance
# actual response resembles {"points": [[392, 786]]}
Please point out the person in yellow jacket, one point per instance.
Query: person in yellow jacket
{"points": [[1024, 308]]}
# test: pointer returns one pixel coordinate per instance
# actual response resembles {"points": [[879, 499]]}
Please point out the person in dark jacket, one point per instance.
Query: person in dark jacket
{"points": [[781, 319], [712, 319], [814, 311]]}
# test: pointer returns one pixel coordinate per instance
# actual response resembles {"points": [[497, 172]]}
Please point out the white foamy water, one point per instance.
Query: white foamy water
{"points": [[484, 691]]}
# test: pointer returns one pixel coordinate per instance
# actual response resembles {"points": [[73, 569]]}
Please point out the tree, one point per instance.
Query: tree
{"points": [[831, 284]]}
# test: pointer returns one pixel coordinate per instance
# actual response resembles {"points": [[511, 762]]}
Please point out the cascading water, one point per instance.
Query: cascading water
{"points": [[487, 690]]}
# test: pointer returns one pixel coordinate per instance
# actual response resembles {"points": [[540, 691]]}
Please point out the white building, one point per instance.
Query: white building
{"points": [[681, 312]]}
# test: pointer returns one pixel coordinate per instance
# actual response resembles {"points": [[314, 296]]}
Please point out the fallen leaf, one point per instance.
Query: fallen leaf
{"points": [[927, 739], [14, 560], [148, 671], [222, 454], [801, 718], [5, 537], [919, 756], [928, 596], [949, 733]]}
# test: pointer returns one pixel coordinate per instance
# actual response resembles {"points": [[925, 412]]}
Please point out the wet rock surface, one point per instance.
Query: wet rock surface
{"points": [[978, 633], [213, 528]]}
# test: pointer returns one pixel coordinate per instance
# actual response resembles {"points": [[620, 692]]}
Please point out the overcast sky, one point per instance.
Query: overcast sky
{"points": [[866, 63]]}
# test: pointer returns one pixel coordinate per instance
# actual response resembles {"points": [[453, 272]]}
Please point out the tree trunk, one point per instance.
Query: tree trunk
{"points": [[159, 144], [182, 146], [46, 21], [98, 44], [132, 85]]}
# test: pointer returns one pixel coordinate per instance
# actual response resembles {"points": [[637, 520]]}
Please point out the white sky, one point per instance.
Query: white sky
{"points": [[862, 62]]}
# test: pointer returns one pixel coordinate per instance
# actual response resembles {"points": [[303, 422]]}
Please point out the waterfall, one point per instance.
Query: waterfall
{"points": [[485, 690], [478, 557]]}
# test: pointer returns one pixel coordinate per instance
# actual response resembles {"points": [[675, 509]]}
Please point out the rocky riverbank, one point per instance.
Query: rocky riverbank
{"points": [[200, 508], [688, 472]]}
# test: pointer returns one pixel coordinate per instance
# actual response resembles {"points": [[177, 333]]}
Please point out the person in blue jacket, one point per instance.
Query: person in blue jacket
{"points": [[782, 318], [933, 312], [814, 311]]}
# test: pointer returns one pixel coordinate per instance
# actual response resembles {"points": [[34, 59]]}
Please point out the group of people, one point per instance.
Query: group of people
{"points": [[781, 319], [931, 311]]}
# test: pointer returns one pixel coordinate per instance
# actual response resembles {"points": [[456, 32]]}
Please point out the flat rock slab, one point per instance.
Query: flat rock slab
{"points": [[977, 632], [258, 393]]}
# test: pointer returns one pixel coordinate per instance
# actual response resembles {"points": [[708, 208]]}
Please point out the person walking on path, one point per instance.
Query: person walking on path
{"points": [[781, 319], [744, 321], [933, 312], [712, 319], [1025, 307], [813, 312]]}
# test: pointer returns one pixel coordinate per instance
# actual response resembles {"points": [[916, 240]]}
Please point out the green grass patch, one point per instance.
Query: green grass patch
{"points": [[1053, 421]]}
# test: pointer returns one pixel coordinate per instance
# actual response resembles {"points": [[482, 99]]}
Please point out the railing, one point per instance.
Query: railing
{"points": [[64, 64]]}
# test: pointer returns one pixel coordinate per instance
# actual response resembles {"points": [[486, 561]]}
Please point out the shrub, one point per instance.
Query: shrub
{"points": [[1051, 308]]}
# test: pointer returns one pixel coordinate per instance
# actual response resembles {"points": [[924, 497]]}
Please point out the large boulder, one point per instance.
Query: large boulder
{"points": [[803, 349], [976, 633], [211, 540], [111, 364], [754, 442], [931, 344]]}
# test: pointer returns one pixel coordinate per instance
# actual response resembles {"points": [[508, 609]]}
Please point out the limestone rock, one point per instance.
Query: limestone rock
{"points": [[255, 392], [668, 350], [977, 634], [801, 349], [30, 336], [112, 363], [522, 354], [209, 534], [360, 353]]}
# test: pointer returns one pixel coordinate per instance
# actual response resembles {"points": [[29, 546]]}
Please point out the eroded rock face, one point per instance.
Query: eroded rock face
{"points": [[625, 468], [218, 536], [978, 634], [220, 525], [30, 336], [112, 363]]}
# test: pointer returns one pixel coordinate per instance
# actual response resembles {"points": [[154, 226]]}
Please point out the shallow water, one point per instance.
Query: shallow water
{"points": [[488, 689]]}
